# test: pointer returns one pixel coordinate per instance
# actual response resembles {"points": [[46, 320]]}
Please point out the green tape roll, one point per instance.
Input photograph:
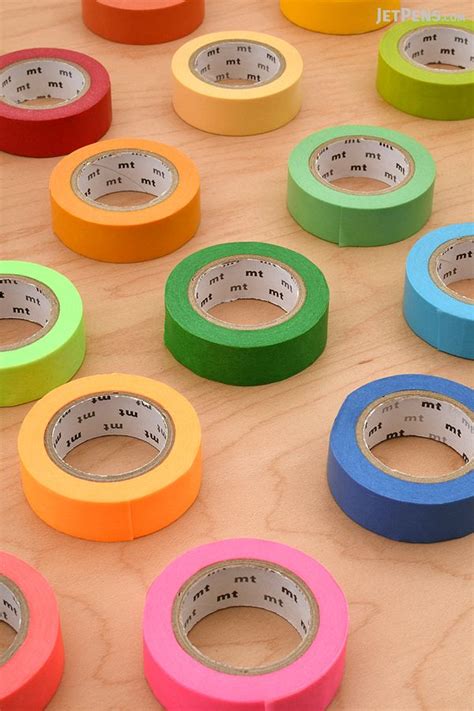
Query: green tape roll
{"points": [[32, 367], [353, 218], [404, 80], [235, 355]]}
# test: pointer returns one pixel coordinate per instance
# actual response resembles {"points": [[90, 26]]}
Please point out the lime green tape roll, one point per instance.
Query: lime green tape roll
{"points": [[350, 218], [405, 80], [236, 355], [32, 367]]}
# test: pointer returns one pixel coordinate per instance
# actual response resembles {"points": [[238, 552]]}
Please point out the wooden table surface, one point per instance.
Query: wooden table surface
{"points": [[265, 448]]}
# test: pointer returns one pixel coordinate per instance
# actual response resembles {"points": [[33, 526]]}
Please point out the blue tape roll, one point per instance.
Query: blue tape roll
{"points": [[391, 503], [436, 313]]}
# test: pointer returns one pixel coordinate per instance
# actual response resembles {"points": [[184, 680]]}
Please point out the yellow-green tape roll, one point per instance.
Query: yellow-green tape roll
{"points": [[31, 367], [325, 207], [412, 70]]}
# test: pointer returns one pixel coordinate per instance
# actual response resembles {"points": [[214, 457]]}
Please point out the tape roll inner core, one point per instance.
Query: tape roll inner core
{"points": [[26, 299], [418, 414], [439, 45], [237, 63], [13, 612], [123, 171], [245, 583], [247, 277], [453, 262], [40, 80], [361, 157], [105, 414]]}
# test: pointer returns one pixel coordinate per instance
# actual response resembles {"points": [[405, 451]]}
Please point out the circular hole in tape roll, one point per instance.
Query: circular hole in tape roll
{"points": [[111, 507], [340, 17], [434, 310], [250, 573], [52, 101], [264, 353], [163, 185], [427, 69], [31, 367], [402, 167], [142, 21], [32, 666], [237, 83], [390, 502]]}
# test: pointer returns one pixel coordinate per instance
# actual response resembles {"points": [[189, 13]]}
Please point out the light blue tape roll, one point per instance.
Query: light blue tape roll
{"points": [[436, 313], [391, 503]]}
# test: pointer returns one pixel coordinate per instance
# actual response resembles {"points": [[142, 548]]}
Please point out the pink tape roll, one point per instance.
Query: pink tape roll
{"points": [[250, 573]]}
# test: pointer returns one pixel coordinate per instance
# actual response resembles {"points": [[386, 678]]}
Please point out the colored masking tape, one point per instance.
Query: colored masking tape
{"points": [[237, 83], [142, 21], [340, 17], [357, 218], [244, 573], [436, 312], [408, 76], [31, 367], [32, 666], [52, 101], [113, 233], [392, 503], [110, 507], [246, 355]]}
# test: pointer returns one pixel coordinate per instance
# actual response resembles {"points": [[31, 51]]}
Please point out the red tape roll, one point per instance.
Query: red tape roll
{"points": [[80, 87]]}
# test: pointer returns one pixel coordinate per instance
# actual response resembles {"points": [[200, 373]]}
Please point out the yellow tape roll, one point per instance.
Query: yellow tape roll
{"points": [[340, 17], [237, 83]]}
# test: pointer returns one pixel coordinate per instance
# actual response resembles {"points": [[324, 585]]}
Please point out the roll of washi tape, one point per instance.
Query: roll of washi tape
{"points": [[142, 21], [32, 666], [52, 101], [356, 218], [244, 573], [413, 69], [237, 83], [246, 355], [437, 313], [113, 233], [340, 17], [31, 367], [111, 507], [390, 502]]}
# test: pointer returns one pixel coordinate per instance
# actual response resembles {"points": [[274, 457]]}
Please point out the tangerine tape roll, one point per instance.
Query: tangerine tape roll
{"points": [[354, 218], [110, 507], [439, 315], [340, 17], [142, 21], [113, 233], [52, 101], [407, 75], [32, 666], [392, 503], [237, 83], [244, 573], [31, 367], [246, 355]]}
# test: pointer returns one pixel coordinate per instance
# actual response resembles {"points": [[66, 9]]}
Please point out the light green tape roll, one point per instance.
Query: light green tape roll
{"points": [[353, 218], [34, 366], [246, 355], [405, 80]]}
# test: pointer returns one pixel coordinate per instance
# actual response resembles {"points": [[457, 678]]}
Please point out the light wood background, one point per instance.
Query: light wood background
{"points": [[410, 646]]}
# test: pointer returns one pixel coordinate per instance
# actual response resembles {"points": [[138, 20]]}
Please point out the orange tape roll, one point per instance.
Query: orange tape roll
{"points": [[114, 233], [110, 507]]}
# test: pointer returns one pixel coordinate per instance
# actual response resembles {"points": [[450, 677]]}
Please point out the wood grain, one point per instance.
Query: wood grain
{"points": [[265, 448]]}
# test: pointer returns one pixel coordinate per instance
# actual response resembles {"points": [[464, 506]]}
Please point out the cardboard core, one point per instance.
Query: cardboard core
{"points": [[245, 583], [13, 612], [453, 262], [237, 63], [26, 299], [107, 414], [441, 45], [41, 80]]}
